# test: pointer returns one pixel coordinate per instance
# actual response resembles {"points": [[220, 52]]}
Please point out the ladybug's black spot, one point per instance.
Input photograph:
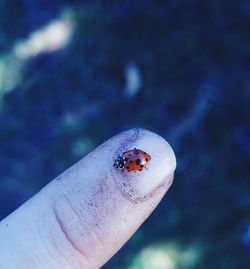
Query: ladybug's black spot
{"points": [[131, 161], [127, 167], [141, 166], [146, 159], [138, 161], [129, 154], [136, 152]]}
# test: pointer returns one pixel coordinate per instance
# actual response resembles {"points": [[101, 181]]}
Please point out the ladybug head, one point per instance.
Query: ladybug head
{"points": [[119, 162]]}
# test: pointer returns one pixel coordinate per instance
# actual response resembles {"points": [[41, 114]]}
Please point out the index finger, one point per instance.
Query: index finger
{"points": [[87, 213]]}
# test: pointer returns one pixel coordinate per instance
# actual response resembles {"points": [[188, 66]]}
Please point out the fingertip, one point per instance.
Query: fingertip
{"points": [[138, 185]]}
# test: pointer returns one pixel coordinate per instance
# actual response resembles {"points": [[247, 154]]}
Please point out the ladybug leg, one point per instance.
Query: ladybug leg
{"points": [[146, 168], [140, 169]]}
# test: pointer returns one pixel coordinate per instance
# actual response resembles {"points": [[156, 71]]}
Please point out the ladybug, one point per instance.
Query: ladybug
{"points": [[132, 160]]}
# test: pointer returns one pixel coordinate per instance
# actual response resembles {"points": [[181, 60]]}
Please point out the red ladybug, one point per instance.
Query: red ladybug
{"points": [[132, 160]]}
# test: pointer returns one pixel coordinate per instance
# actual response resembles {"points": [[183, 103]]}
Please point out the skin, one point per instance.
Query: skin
{"points": [[85, 215]]}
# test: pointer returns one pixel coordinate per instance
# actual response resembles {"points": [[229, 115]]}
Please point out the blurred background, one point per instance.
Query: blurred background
{"points": [[75, 73]]}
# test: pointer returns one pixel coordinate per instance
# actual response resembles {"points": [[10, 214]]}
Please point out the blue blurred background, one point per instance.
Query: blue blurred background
{"points": [[74, 73]]}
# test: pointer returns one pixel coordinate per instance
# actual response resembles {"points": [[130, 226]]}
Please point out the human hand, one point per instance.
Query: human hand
{"points": [[87, 213]]}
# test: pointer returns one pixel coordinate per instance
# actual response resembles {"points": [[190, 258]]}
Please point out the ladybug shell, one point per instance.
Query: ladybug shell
{"points": [[135, 159]]}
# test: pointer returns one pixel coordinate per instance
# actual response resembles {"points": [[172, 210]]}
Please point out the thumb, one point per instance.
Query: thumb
{"points": [[86, 214]]}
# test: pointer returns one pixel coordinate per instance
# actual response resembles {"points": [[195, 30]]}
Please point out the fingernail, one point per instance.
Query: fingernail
{"points": [[139, 185]]}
